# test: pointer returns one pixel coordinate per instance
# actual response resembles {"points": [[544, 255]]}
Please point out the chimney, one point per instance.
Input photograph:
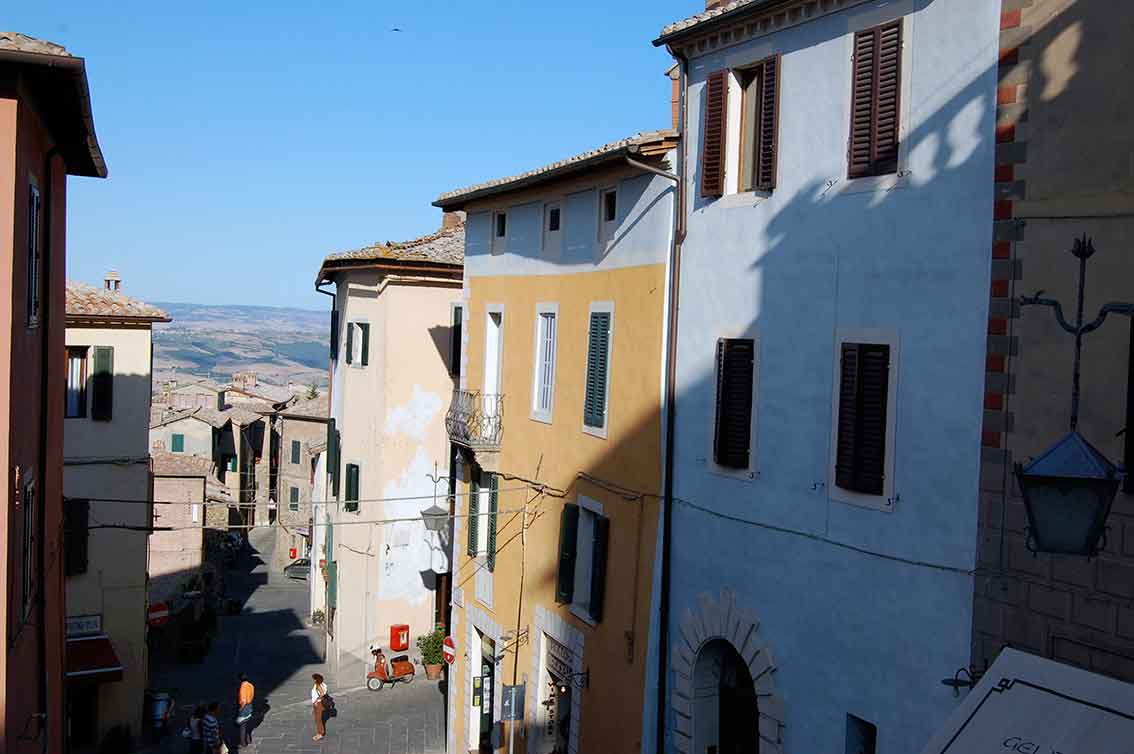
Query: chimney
{"points": [[710, 4], [674, 75], [450, 220], [220, 400], [111, 281]]}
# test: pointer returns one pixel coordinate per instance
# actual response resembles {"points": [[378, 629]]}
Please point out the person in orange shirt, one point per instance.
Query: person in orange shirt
{"points": [[244, 696]]}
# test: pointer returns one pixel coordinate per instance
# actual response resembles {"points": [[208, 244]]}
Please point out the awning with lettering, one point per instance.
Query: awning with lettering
{"points": [[1030, 705], [92, 658]]}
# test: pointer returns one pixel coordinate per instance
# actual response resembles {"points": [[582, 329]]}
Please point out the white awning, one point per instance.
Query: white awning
{"points": [[1031, 705]]}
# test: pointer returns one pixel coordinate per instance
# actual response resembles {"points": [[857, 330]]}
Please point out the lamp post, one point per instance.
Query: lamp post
{"points": [[1069, 488]]}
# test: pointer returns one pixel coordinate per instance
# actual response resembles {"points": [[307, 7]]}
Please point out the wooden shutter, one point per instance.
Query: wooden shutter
{"points": [[735, 365], [364, 328], [474, 511], [102, 384], [334, 334], [177, 443], [860, 453], [76, 518], [568, 534], [455, 342], [713, 134], [350, 343], [493, 490], [295, 451], [351, 488], [333, 456], [875, 101], [598, 358], [768, 124], [598, 566], [332, 584]]}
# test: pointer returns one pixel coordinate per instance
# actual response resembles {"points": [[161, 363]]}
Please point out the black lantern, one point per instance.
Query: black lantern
{"points": [[435, 518], [1069, 489], [1067, 494]]}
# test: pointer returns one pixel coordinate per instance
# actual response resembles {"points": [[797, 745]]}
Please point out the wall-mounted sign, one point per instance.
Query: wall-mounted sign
{"points": [[513, 702], [476, 700], [83, 625]]}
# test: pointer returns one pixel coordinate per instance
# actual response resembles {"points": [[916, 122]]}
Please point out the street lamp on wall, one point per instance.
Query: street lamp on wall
{"points": [[1068, 490], [436, 518]]}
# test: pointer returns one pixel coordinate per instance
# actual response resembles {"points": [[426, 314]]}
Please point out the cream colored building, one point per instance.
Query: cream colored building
{"points": [[106, 480], [392, 375], [302, 428]]}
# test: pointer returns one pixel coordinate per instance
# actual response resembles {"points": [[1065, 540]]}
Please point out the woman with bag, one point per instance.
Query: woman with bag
{"points": [[321, 705], [244, 696]]}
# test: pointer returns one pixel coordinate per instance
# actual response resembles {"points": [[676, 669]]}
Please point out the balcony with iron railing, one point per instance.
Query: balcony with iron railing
{"points": [[474, 420]]}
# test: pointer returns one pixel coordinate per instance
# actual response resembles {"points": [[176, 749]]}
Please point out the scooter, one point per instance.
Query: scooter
{"points": [[397, 670]]}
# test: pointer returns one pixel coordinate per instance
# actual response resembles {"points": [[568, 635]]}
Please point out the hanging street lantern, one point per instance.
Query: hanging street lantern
{"points": [[435, 518], [1068, 490]]}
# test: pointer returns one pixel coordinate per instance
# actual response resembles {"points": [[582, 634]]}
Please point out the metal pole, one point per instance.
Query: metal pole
{"points": [[1082, 250]]}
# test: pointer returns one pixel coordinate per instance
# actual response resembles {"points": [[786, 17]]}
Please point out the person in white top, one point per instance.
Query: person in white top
{"points": [[318, 691]]}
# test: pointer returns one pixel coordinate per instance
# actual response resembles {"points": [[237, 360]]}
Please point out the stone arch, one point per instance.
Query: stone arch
{"points": [[721, 619]]}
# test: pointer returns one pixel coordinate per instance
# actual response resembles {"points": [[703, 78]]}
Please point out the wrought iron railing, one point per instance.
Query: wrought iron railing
{"points": [[475, 419]]}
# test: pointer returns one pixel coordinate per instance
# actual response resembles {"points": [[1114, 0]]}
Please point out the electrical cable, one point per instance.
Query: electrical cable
{"points": [[248, 503]]}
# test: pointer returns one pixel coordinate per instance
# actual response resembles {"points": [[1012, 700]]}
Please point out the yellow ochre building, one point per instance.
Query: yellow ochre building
{"points": [[557, 440]]}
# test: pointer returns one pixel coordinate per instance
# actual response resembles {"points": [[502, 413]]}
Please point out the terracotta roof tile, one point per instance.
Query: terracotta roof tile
{"points": [[638, 139], [705, 16], [181, 464], [316, 407], [13, 40], [446, 246], [88, 301]]}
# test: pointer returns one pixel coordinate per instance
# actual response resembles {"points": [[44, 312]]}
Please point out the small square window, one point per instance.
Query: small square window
{"points": [[501, 224], [178, 443], [553, 220], [609, 205]]}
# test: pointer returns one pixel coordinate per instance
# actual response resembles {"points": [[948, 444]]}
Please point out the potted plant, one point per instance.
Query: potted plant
{"points": [[430, 647]]}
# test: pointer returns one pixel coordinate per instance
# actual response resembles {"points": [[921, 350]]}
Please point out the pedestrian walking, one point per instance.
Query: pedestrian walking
{"points": [[318, 693], [245, 693], [210, 729], [196, 733]]}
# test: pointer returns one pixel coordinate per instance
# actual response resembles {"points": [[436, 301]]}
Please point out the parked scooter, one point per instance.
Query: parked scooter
{"points": [[397, 669]]}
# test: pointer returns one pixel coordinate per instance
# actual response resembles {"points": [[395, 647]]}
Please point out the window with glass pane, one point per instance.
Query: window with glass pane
{"points": [[76, 382], [545, 365]]}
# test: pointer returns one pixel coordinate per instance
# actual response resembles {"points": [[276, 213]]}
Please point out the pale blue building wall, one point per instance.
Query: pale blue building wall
{"points": [[864, 610]]}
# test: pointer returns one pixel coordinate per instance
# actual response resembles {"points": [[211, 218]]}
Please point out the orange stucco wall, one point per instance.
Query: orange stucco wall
{"points": [[554, 454]]}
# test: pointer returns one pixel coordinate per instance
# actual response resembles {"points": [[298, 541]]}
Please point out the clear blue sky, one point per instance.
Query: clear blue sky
{"points": [[247, 140]]}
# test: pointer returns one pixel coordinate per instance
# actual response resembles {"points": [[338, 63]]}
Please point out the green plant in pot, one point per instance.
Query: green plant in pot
{"points": [[430, 647]]}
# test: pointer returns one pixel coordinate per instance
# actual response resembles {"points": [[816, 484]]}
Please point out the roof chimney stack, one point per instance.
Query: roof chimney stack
{"points": [[112, 282], [710, 4], [450, 220]]}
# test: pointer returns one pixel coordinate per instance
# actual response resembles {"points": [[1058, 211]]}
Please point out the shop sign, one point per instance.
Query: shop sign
{"points": [[83, 625], [513, 702]]}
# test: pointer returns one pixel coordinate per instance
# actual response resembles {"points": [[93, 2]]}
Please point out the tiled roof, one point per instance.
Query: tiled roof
{"points": [[316, 407], [273, 393], [211, 416], [687, 24], [446, 246], [548, 171], [88, 301], [181, 464], [13, 40], [241, 415]]}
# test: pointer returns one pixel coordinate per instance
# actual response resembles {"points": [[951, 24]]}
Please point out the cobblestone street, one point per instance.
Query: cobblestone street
{"points": [[273, 642]]}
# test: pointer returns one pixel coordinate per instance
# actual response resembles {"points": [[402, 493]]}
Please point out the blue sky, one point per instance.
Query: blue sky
{"points": [[247, 140]]}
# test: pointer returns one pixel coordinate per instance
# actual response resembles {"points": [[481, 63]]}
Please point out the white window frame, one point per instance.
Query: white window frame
{"points": [[356, 342], [752, 472], [607, 228], [498, 244], [541, 311], [84, 391], [598, 307], [886, 501], [551, 241], [195, 512], [589, 509]]}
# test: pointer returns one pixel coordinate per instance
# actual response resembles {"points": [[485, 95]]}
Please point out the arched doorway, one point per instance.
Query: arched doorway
{"points": [[725, 717]]}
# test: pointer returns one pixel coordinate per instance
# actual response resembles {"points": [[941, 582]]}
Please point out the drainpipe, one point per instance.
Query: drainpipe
{"points": [[47, 301], [671, 404], [330, 375]]}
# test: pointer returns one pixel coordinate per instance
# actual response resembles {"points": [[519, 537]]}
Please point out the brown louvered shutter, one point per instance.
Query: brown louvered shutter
{"points": [[768, 127], [876, 101], [735, 360], [713, 134], [860, 463]]}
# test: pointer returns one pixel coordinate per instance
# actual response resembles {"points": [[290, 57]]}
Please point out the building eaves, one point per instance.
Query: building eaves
{"points": [[579, 163], [708, 18], [444, 247], [89, 302], [60, 79]]}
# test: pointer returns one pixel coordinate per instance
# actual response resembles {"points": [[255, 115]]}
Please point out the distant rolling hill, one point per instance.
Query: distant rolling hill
{"points": [[280, 344]]}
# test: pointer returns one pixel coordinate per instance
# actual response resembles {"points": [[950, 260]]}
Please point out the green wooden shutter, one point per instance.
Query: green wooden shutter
{"points": [[76, 517], [333, 456], [351, 504], [102, 384], [598, 358], [365, 330], [568, 534], [493, 489], [598, 566], [455, 342], [177, 443], [232, 464], [332, 583], [334, 334], [350, 343], [474, 511], [295, 449]]}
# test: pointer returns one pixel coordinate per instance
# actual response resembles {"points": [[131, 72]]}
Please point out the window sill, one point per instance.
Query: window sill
{"points": [[883, 503], [742, 199], [869, 184], [541, 417], [739, 475], [583, 615], [599, 432]]}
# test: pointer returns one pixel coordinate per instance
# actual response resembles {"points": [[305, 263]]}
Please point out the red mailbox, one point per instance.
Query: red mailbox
{"points": [[292, 553], [399, 637]]}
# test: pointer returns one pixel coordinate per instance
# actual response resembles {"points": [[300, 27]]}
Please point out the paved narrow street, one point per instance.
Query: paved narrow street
{"points": [[273, 642]]}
